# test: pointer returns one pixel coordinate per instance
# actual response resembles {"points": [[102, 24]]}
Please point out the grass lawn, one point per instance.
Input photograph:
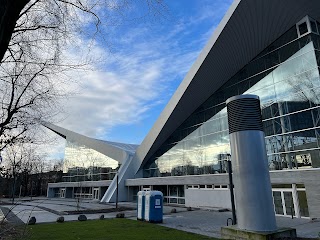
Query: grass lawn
{"points": [[111, 229]]}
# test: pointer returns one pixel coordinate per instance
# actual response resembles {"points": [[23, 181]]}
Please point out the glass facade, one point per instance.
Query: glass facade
{"points": [[85, 164], [171, 194], [286, 78]]}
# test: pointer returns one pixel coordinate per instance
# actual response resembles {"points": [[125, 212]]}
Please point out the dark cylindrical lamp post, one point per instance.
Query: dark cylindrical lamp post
{"points": [[253, 194], [233, 207]]}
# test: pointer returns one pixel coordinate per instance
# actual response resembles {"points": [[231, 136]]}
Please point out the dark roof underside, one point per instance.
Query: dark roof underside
{"points": [[247, 28]]}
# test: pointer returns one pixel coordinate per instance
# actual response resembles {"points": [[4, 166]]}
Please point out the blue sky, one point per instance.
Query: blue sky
{"points": [[137, 67]]}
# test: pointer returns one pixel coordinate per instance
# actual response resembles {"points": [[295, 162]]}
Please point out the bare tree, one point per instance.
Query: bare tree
{"points": [[28, 95], [23, 166], [199, 156], [13, 158], [54, 18], [34, 35]]}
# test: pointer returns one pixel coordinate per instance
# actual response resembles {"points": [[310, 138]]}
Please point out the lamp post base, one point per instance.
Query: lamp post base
{"points": [[232, 232]]}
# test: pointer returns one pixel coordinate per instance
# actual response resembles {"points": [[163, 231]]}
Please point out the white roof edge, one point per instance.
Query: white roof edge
{"points": [[169, 108], [117, 153]]}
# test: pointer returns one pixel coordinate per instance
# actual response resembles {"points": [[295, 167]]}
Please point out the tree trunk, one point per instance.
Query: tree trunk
{"points": [[9, 14], [26, 182], [13, 188]]}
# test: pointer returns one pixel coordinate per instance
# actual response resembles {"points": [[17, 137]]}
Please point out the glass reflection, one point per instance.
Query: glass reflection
{"points": [[85, 164], [290, 96]]}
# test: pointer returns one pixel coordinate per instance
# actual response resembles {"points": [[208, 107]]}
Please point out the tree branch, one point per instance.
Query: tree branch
{"points": [[10, 13]]}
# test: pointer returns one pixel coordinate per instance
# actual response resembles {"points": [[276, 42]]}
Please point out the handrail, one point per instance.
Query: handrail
{"points": [[228, 221]]}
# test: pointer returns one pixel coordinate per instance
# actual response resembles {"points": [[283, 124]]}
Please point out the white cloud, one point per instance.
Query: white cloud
{"points": [[134, 75], [123, 88]]}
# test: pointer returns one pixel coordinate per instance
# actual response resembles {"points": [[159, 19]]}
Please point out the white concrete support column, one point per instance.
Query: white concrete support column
{"points": [[126, 171], [253, 194], [296, 200]]}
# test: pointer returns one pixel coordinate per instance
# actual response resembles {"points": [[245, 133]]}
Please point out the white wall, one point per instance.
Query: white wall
{"points": [[219, 198]]}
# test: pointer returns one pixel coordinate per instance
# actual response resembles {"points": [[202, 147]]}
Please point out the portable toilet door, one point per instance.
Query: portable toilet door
{"points": [[141, 205], [147, 206], [154, 207]]}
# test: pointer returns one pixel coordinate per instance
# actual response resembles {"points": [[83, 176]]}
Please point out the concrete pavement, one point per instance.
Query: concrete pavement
{"points": [[209, 223], [200, 221]]}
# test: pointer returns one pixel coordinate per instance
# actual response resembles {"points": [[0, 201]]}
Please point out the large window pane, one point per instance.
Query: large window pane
{"points": [[303, 204]]}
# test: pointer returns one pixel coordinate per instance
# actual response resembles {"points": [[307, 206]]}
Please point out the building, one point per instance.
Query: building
{"points": [[269, 48], [89, 165]]}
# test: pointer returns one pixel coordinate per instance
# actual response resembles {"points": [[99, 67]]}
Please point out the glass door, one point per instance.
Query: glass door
{"points": [[62, 192], [288, 203], [303, 204], [290, 200], [277, 200], [96, 193], [283, 202]]}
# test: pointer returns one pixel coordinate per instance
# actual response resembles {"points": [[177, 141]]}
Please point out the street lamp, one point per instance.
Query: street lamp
{"points": [[117, 193], [234, 217]]}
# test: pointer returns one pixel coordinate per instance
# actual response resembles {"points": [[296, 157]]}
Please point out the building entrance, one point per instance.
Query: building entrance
{"points": [[283, 203], [96, 193], [290, 201], [62, 192]]}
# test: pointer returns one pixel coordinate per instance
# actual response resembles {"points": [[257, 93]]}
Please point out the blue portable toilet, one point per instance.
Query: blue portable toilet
{"points": [[154, 206], [141, 205]]}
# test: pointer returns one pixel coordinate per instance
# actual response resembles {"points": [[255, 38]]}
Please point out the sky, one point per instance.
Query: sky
{"points": [[137, 66]]}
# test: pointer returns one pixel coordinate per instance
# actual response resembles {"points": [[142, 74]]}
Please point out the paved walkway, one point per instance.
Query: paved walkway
{"points": [[1, 216], [209, 223], [199, 221]]}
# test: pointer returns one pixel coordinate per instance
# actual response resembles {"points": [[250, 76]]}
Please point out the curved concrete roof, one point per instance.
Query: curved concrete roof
{"points": [[246, 29], [114, 150]]}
